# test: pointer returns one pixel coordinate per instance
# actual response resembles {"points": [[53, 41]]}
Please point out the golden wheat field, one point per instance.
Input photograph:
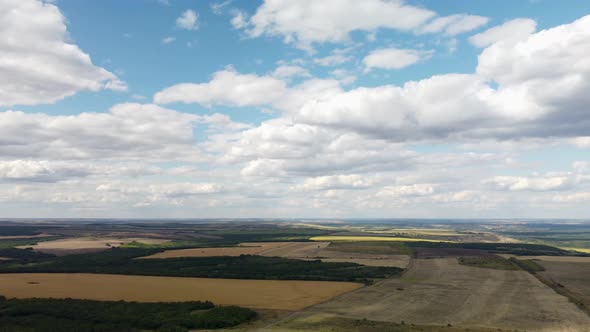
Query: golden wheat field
{"points": [[263, 294]]}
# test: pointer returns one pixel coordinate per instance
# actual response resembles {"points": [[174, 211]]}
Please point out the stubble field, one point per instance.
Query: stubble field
{"points": [[441, 292], [571, 273]]}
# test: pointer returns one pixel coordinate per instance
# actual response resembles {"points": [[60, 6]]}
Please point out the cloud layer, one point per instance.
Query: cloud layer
{"points": [[329, 124]]}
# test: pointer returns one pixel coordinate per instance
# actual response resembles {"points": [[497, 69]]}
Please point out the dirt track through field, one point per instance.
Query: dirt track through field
{"points": [[440, 291], [264, 294]]}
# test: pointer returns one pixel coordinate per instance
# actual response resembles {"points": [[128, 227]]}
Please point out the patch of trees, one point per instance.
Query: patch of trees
{"points": [[121, 261], [489, 262], [18, 231], [24, 255], [527, 265], [11, 243], [69, 315]]}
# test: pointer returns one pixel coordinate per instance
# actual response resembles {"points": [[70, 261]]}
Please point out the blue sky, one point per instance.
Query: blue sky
{"points": [[278, 108]]}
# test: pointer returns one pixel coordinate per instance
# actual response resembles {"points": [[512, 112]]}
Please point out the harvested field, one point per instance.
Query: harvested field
{"points": [[265, 294], [371, 238], [325, 322], [297, 250], [321, 251], [294, 250], [250, 248], [441, 291], [574, 276], [87, 243]]}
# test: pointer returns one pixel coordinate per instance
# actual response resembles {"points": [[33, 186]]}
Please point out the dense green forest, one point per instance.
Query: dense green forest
{"points": [[24, 255], [68, 315], [122, 261], [18, 231]]}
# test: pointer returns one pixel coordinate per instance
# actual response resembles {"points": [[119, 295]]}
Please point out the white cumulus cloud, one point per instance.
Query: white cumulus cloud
{"points": [[391, 58], [38, 62], [305, 22], [511, 31], [188, 20], [455, 24]]}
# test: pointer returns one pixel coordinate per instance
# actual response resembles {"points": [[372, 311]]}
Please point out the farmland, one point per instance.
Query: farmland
{"points": [[332, 323], [122, 261], [86, 243], [293, 250], [269, 294], [324, 252], [441, 292], [302, 276], [571, 276], [251, 248], [371, 238]]}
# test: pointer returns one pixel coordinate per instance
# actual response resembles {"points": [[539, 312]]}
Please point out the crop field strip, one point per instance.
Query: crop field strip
{"points": [[484, 292], [323, 251], [248, 248], [372, 238], [122, 261], [76, 243], [268, 294]]}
